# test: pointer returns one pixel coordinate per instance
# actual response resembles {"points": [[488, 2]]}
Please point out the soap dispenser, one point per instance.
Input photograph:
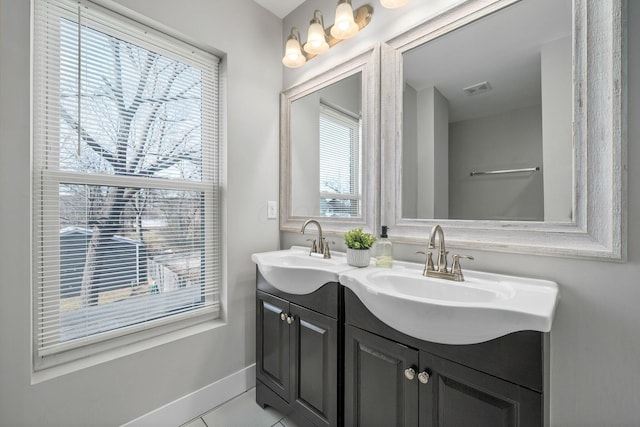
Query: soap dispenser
{"points": [[384, 250]]}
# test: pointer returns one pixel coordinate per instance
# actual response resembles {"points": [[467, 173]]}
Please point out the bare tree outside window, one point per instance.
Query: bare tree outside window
{"points": [[136, 114]]}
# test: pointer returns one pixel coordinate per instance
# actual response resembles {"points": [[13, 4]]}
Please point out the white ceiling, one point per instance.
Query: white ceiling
{"points": [[280, 8]]}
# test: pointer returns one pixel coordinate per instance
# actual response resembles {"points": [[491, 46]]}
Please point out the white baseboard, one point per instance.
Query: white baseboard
{"points": [[200, 401]]}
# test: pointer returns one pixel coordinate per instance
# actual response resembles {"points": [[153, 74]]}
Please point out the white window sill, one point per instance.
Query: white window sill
{"points": [[136, 343]]}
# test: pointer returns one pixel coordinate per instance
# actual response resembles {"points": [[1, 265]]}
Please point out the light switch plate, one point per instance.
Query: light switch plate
{"points": [[272, 209]]}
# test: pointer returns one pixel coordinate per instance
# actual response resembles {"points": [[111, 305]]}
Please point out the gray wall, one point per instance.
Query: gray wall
{"points": [[509, 140], [409, 153], [116, 391], [432, 154], [555, 60], [440, 155], [595, 341]]}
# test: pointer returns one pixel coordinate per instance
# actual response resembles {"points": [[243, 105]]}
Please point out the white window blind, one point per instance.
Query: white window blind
{"points": [[126, 178], [339, 162]]}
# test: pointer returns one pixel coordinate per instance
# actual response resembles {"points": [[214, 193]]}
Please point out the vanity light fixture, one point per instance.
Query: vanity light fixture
{"points": [[320, 39], [393, 4], [293, 56]]}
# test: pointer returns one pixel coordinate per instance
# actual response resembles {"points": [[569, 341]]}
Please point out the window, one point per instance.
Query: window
{"points": [[126, 179], [339, 162]]}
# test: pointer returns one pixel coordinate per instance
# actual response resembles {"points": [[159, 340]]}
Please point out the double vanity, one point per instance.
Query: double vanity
{"points": [[341, 346], [338, 345]]}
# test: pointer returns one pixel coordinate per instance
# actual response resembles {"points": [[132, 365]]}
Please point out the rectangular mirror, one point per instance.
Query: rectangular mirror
{"points": [[499, 118], [487, 125], [329, 148]]}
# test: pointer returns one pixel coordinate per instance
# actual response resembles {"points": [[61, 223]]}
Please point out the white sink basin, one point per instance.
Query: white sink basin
{"points": [[295, 272], [483, 307]]}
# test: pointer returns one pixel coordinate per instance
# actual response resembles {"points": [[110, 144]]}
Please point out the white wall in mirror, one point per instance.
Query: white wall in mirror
{"points": [[581, 211]]}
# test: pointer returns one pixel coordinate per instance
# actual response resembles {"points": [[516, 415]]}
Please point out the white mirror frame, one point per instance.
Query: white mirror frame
{"points": [[599, 139], [368, 63]]}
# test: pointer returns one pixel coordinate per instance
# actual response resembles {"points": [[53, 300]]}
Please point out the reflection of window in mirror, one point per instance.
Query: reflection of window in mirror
{"points": [[339, 162], [492, 97], [325, 150]]}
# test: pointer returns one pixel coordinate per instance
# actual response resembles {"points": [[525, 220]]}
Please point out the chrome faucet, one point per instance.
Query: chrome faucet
{"points": [[319, 245], [440, 270]]}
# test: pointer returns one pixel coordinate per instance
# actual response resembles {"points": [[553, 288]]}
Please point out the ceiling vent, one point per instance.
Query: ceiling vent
{"points": [[477, 88]]}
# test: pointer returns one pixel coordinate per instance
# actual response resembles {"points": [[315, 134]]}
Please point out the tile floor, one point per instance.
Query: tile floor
{"points": [[241, 411]]}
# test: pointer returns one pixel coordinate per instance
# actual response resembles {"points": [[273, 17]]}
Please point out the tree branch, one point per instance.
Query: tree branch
{"points": [[117, 90], [152, 58], [88, 139], [153, 115], [172, 157], [166, 162]]}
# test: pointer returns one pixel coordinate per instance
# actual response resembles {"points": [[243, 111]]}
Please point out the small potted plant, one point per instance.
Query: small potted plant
{"points": [[358, 246]]}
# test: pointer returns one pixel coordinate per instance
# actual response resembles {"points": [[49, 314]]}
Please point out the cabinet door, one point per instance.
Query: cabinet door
{"points": [[377, 393], [272, 344], [458, 396], [314, 356]]}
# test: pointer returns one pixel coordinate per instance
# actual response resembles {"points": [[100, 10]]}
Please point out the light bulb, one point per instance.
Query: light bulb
{"points": [[293, 56], [316, 41], [344, 26]]}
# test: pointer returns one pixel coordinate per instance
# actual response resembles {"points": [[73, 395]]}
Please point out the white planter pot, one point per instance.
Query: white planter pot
{"points": [[358, 257]]}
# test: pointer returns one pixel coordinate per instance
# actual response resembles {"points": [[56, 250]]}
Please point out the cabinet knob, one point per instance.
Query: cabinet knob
{"points": [[410, 373], [290, 319], [423, 377], [283, 316]]}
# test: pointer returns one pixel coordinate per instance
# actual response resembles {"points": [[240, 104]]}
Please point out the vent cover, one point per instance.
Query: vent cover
{"points": [[477, 88]]}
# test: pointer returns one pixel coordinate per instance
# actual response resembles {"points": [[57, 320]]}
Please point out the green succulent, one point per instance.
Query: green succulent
{"points": [[356, 239]]}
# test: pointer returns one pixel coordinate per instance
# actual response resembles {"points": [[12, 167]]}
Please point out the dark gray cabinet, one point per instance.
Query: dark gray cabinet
{"points": [[376, 391], [390, 384], [297, 351], [324, 360], [273, 344], [395, 380], [459, 396]]}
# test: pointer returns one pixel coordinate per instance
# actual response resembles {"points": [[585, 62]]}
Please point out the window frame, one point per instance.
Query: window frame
{"points": [[210, 186]]}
